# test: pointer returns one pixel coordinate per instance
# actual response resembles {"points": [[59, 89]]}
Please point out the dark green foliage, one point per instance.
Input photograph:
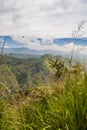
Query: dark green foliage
{"points": [[21, 77]]}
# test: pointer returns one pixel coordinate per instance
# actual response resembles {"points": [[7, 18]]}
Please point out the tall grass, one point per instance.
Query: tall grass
{"points": [[55, 108]]}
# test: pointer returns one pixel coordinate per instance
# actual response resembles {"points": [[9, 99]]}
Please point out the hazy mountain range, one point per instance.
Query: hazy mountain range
{"points": [[41, 46], [24, 50]]}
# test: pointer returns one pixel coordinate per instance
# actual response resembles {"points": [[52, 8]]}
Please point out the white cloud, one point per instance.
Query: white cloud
{"points": [[6, 46], [47, 44], [41, 17], [77, 48]]}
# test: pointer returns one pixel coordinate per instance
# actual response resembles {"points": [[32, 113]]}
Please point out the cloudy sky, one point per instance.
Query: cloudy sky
{"points": [[56, 18]]}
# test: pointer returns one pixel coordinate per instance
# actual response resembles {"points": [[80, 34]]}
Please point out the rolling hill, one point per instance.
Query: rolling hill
{"points": [[27, 72]]}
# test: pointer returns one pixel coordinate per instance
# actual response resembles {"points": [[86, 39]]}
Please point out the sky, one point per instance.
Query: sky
{"points": [[63, 45], [54, 18]]}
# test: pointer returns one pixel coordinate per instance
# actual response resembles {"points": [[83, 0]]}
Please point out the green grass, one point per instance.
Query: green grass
{"points": [[62, 106]]}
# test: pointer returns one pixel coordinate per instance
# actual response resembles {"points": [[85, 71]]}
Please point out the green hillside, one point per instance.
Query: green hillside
{"points": [[25, 73]]}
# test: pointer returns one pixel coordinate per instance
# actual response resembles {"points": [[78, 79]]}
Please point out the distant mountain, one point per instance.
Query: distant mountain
{"points": [[31, 53], [24, 50], [24, 56]]}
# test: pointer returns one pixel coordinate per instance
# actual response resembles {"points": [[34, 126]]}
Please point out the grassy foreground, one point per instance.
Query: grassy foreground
{"points": [[62, 106]]}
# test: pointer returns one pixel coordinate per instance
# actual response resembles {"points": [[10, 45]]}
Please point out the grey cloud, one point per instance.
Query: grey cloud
{"points": [[40, 15], [57, 4], [83, 1]]}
